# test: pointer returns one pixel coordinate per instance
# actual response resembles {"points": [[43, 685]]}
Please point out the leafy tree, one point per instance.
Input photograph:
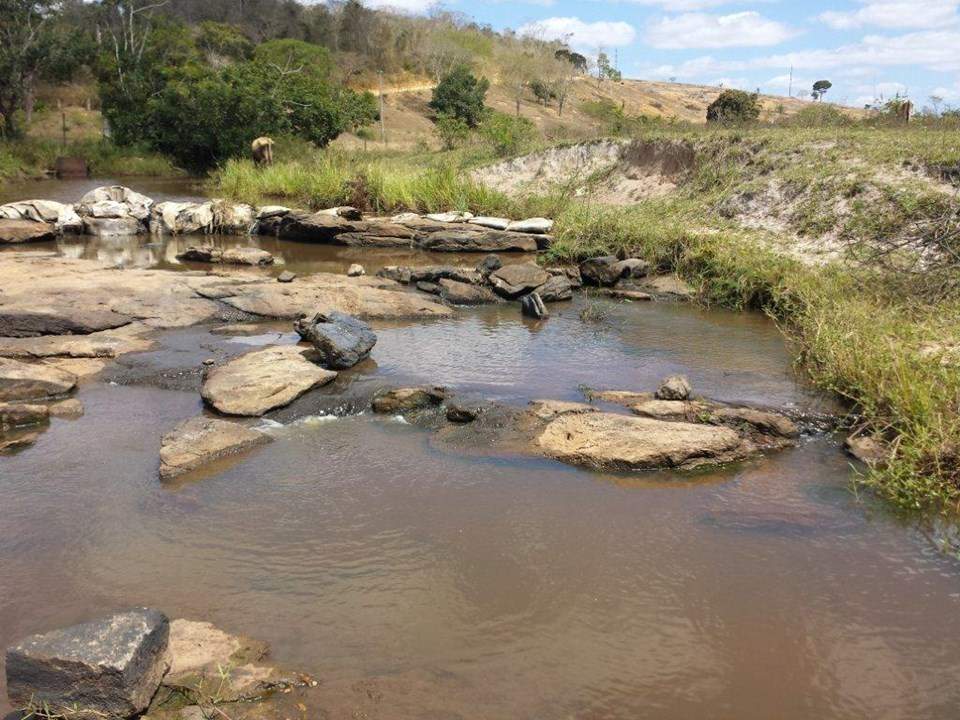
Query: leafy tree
{"points": [[461, 94], [820, 88], [225, 41], [295, 56], [605, 70], [26, 42], [578, 61], [543, 90], [734, 106]]}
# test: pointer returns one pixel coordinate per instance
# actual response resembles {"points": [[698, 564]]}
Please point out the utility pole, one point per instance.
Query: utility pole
{"points": [[383, 130]]}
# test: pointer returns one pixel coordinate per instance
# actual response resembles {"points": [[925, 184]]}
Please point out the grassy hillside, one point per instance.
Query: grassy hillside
{"points": [[408, 117]]}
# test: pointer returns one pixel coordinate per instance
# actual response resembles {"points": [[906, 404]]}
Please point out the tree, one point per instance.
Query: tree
{"points": [[605, 70], [461, 94], [25, 49], [820, 88], [734, 106], [578, 61], [452, 131]]}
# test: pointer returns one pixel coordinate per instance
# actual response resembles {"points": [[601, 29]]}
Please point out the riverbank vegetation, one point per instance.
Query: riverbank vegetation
{"points": [[845, 234]]}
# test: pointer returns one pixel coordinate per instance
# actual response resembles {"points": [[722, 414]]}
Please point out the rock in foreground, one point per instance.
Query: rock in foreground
{"points": [[24, 231], [403, 400], [341, 341], [619, 442], [263, 380], [111, 667], [28, 381], [200, 440]]}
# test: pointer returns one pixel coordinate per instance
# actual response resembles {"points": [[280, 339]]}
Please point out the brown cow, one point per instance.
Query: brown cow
{"points": [[262, 149]]}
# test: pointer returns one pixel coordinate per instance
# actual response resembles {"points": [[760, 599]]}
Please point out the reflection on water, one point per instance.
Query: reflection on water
{"points": [[497, 586]]}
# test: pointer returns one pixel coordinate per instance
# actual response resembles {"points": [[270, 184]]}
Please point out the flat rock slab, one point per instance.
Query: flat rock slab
{"points": [[28, 381], [263, 380], [65, 320], [512, 281], [459, 293], [200, 440], [619, 442], [25, 231], [111, 666], [477, 239], [19, 414]]}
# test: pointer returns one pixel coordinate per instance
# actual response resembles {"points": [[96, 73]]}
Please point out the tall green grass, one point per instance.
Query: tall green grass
{"points": [[34, 158]]}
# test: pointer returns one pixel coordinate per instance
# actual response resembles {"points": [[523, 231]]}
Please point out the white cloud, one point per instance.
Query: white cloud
{"points": [[701, 30], [405, 6], [935, 50], [582, 35], [895, 14]]}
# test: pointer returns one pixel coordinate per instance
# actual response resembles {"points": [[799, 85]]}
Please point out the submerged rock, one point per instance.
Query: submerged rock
{"points": [[620, 442], [27, 381], [262, 380], [341, 341], [25, 231], [675, 387], [532, 306], [200, 440], [400, 400], [111, 667], [512, 281], [19, 414]]}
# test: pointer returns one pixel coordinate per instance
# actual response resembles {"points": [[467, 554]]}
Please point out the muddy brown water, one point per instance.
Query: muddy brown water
{"points": [[443, 585]]}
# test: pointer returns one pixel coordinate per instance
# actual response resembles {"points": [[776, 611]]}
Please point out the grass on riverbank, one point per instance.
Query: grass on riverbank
{"points": [[865, 330], [35, 158]]}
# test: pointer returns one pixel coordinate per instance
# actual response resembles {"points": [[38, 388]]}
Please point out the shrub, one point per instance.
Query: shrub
{"points": [[461, 94], [507, 134], [452, 131], [734, 106]]}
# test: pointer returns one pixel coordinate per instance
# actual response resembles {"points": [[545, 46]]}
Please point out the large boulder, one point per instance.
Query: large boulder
{"points": [[601, 271], [25, 231], [341, 341], [62, 216], [104, 668], [262, 380], [200, 440], [512, 281], [181, 218], [459, 293], [134, 204], [112, 226], [620, 442], [233, 218], [28, 381]]}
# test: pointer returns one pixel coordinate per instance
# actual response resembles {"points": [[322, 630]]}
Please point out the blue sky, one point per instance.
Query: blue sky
{"points": [[865, 47]]}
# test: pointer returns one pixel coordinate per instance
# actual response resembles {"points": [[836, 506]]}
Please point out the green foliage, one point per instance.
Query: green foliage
{"points": [[734, 106], [578, 61], [820, 88], [452, 131], [295, 56], [224, 40], [605, 70], [201, 115], [819, 116], [544, 91], [461, 94], [507, 134]]}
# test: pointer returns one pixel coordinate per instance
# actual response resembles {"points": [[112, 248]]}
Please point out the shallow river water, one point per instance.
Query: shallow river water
{"points": [[492, 586]]}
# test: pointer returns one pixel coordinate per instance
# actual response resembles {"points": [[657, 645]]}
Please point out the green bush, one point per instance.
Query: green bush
{"points": [[734, 106], [819, 115], [507, 134], [452, 131], [460, 94]]}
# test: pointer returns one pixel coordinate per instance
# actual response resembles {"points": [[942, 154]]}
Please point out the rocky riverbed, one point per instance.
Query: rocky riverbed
{"points": [[432, 503]]}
